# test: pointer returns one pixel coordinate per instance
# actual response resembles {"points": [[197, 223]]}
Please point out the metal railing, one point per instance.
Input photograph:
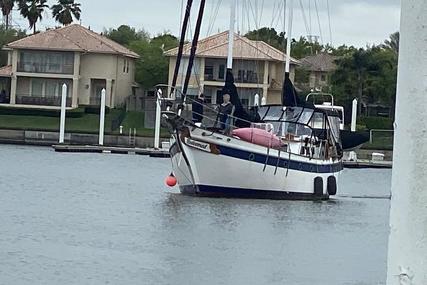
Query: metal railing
{"points": [[296, 138], [381, 139], [388, 134], [41, 101]]}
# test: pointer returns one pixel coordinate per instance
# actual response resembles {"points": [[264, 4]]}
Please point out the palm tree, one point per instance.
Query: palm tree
{"points": [[32, 10], [6, 8], [64, 11]]}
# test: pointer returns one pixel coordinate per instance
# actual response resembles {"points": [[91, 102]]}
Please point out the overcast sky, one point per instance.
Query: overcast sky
{"points": [[353, 22]]}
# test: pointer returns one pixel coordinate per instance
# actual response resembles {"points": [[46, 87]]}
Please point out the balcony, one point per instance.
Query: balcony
{"points": [[41, 101], [51, 68]]}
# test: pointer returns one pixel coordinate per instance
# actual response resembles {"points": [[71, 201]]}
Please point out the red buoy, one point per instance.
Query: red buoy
{"points": [[171, 180]]}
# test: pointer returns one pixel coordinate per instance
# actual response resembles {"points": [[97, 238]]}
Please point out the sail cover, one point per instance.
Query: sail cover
{"points": [[289, 94], [240, 112]]}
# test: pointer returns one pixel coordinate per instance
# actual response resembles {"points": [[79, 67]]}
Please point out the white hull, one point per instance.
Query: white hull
{"points": [[216, 165]]}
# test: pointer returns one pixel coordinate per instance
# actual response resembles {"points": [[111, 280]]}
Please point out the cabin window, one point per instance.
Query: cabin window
{"points": [[323, 77]]}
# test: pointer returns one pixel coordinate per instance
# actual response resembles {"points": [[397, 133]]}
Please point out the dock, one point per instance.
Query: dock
{"points": [[360, 163], [159, 153]]}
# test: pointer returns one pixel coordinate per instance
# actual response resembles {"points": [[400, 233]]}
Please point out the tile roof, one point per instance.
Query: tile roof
{"points": [[216, 46], [72, 38], [320, 62]]}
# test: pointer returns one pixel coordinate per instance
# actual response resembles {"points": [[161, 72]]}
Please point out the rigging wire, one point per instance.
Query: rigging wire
{"points": [[329, 20], [318, 21], [309, 17], [304, 17], [214, 15], [182, 14]]}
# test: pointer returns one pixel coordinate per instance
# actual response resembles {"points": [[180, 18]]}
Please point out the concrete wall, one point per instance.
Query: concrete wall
{"points": [[50, 138]]}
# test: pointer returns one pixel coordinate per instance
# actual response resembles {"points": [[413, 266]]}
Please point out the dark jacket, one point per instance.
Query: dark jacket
{"points": [[224, 112]]}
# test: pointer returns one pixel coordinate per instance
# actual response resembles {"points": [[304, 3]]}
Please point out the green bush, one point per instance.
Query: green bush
{"points": [[380, 123], [95, 110], [75, 113]]}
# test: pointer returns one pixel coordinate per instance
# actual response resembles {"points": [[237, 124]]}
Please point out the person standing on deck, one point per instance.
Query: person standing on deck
{"points": [[197, 109], [226, 109]]}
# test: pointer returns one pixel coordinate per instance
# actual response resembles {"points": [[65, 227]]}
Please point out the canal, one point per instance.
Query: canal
{"points": [[109, 219]]}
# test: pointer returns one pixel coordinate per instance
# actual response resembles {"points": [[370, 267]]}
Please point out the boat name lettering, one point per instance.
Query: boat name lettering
{"points": [[198, 145]]}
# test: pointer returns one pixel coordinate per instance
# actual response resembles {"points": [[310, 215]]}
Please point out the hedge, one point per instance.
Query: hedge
{"points": [[75, 113], [380, 123]]}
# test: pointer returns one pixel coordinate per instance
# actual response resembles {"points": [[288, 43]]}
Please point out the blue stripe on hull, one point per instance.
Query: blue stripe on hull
{"points": [[227, 192], [272, 161], [283, 163]]}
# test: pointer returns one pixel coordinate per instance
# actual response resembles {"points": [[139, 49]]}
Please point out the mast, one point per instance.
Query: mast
{"points": [[289, 95], [289, 37], [231, 34], [181, 44], [194, 47]]}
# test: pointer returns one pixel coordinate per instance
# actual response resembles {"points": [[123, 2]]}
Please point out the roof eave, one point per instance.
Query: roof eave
{"points": [[9, 48]]}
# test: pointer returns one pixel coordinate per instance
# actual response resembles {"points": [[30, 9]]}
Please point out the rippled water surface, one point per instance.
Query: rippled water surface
{"points": [[109, 219]]}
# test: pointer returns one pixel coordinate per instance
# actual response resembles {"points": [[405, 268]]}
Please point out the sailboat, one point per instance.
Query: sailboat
{"points": [[287, 151]]}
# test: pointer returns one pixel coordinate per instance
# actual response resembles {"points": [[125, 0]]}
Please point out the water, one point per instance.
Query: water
{"points": [[108, 219]]}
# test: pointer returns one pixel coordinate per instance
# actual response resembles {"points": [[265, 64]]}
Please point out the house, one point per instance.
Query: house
{"points": [[319, 68], [85, 61], [258, 68]]}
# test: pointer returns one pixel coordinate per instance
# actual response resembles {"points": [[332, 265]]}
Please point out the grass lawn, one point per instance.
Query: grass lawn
{"points": [[381, 140], [88, 123]]}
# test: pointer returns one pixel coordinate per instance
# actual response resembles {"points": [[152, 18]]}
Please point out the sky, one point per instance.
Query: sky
{"points": [[353, 22]]}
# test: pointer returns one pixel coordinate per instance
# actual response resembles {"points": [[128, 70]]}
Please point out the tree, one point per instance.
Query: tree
{"points": [[269, 36], [64, 11], [369, 74], [152, 67], [6, 8], [8, 35], [125, 35], [392, 43], [33, 11]]}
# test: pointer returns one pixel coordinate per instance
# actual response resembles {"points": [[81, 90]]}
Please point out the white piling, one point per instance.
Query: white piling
{"points": [[102, 118], [158, 118], [407, 255], [263, 101], [63, 113], [354, 116], [256, 100]]}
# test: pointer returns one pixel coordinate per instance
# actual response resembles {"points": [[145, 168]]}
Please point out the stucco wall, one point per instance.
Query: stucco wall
{"points": [[110, 68]]}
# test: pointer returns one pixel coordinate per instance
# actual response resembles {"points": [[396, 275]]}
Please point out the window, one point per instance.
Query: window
{"points": [[209, 72], [241, 75], [323, 77], [221, 73], [37, 88], [52, 89], [47, 88], [46, 62]]}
